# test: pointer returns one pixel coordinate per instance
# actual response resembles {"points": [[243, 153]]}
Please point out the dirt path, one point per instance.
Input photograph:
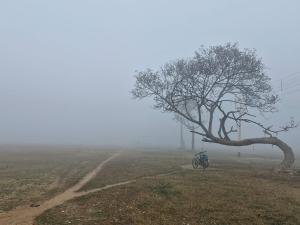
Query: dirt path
{"points": [[25, 215]]}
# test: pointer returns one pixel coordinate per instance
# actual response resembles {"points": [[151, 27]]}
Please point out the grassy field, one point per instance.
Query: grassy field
{"points": [[231, 191], [136, 164], [31, 176]]}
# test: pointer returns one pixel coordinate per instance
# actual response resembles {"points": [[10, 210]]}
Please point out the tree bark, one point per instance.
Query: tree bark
{"points": [[288, 153]]}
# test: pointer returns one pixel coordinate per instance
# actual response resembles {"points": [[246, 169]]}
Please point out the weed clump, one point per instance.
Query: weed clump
{"points": [[163, 188]]}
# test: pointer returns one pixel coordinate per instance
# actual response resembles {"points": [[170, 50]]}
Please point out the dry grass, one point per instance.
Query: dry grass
{"points": [[134, 164], [30, 176], [229, 193]]}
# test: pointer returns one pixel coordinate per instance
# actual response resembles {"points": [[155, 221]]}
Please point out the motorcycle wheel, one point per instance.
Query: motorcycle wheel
{"points": [[205, 164], [195, 163]]}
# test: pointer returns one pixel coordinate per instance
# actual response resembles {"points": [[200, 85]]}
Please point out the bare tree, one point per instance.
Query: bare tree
{"points": [[214, 81]]}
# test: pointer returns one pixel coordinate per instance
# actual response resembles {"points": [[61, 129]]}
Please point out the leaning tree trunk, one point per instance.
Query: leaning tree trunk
{"points": [[289, 157]]}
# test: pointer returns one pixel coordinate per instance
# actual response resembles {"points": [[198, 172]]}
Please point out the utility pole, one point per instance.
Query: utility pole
{"points": [[241, 109], [193, 140], [239, 128], [182, 144]]}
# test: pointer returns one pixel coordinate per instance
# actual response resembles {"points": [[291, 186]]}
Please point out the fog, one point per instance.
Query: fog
{"points": [[67, 67]]}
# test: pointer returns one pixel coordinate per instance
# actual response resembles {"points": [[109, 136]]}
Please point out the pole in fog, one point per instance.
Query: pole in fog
{"points": [[182, 144]]}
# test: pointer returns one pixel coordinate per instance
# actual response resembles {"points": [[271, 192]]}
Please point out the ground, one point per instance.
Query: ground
{"points": [[162, 188], [31, 175]]}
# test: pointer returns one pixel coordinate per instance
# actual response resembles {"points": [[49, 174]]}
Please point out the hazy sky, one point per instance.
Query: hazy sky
{"points": [[67, 66]]}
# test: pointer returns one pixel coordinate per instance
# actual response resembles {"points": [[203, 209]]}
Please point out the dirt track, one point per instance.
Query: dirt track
{"points": [[26, 215]]}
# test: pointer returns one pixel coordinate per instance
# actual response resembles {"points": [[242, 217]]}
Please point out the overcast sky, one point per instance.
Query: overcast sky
{"points": [[67, 66]]}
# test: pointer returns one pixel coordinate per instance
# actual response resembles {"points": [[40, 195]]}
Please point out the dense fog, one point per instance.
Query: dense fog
{"points": [[67, 67]]}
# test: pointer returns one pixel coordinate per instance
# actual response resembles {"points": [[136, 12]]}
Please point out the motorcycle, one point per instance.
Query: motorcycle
{"points": [[200, 159]]}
